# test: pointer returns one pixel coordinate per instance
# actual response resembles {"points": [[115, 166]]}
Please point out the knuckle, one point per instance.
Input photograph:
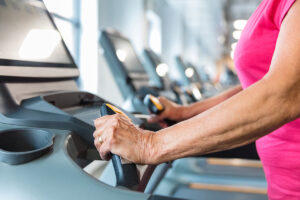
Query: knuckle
{"points": [[115, 124], [97, 146], [95, 134], [113, 129], [161, 98], [99, 121], [102, 155], [110, 140], [113, 133], [111, 143], [101, 151], [115, 120]]}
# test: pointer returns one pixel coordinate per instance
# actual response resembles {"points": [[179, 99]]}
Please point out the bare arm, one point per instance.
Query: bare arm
{"points": [[179, 113], [241, 119], [247, 116], [199, 107]]}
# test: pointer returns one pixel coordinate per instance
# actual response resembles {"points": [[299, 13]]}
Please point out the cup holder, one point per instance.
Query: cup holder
{"points": [[19, 146]]}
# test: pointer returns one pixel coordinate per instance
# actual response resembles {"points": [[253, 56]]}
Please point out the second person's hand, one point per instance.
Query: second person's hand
{"points": [[172, 111]]}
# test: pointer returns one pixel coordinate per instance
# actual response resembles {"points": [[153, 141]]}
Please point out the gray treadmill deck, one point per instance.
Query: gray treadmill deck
{"points": [[55, 176], [194, 194], [196, 170]]}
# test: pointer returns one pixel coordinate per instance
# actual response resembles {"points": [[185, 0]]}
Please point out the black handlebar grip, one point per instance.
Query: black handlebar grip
{"points": [[156, 107], [126, 174], [153, 104]]}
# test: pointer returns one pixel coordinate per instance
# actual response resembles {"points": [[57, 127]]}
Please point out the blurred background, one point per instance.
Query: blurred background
{"points": [[126, 50], [203, 32]]}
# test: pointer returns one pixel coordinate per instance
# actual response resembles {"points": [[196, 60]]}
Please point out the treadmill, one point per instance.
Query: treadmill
{"points": [[197, 82], [129, 73], [155, 69], [46, 122], [189, 79]]}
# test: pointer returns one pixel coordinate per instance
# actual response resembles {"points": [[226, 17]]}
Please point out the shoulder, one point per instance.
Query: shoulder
{"points": [[282, 9]]}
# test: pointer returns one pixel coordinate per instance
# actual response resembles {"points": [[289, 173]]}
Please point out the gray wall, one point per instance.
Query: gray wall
{"points": [[128, 18]]}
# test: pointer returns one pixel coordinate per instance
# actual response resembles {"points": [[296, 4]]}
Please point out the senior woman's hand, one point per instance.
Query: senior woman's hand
{"points": [[119, 136], [172, 111]]}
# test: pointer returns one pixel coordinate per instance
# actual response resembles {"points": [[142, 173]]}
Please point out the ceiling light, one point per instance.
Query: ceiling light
{"points": [[189, 72], [121, 54], [196, 92], [239, 24], [237, 34], [232, 55], [233, 45], [162, 69]]}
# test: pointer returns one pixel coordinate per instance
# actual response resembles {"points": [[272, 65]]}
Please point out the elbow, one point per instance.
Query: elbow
{"points": [[290, 100], [293, 107], [286, 94]]}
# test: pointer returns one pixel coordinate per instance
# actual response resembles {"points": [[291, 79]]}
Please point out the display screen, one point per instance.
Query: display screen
{"points": [[195, 77], [154, 57], [28, 36], [127, 55]]}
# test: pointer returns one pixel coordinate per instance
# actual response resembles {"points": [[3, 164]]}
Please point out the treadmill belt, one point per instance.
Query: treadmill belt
{"points": [[188, 193]]}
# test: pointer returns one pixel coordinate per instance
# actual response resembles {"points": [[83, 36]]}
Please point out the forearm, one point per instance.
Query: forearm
{"points": [[240, 120], [201, 106]]}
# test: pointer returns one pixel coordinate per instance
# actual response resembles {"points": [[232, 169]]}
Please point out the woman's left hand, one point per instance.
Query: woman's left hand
{"points": [[116, 134]]}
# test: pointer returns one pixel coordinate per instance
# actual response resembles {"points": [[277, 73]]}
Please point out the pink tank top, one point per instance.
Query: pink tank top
{"points": [[280, 150]]}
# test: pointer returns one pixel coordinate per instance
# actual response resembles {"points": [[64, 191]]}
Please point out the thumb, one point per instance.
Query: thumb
{"points": [[153, 119], [163, 100]]}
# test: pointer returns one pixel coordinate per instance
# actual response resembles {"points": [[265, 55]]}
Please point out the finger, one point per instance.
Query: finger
{"points": [[98, 142], [153, 119], [107, 132], [121, 122], [100, 130], [105, 151], [112, 121], [163, 124], [122, 116], [102, 120], [161, 116], [124, 121], [163, 100]]}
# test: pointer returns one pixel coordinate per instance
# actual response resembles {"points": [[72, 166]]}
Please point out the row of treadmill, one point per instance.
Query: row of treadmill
{"points": [[136, 79], [46, 123]]}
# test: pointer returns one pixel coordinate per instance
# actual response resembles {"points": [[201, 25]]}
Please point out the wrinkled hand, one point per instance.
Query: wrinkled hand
{"points": [[172, 111], [119, 136]]}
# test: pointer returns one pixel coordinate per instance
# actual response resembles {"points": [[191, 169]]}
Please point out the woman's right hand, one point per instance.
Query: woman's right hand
{"points": [[172, 111]]}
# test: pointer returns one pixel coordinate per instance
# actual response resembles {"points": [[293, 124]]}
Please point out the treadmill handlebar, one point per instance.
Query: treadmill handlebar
{"points": [[156, 107], [153, 104], [126, 174]]}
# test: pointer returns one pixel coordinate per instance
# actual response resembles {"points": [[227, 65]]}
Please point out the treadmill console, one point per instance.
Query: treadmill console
{"points": [[31, 46], [124, 63], [154, 66]]}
